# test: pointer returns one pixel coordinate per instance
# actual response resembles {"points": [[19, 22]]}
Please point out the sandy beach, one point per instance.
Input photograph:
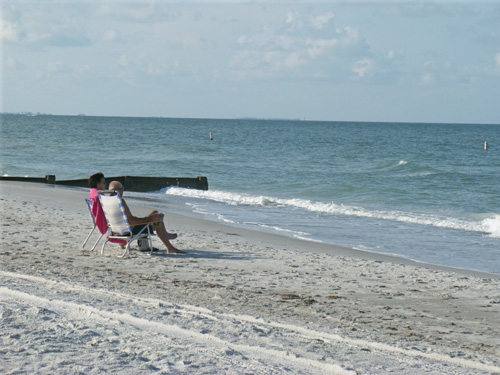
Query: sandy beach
{"points": [[238, 302]]}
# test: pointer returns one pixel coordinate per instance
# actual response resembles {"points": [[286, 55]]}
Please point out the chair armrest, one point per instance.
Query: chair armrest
{"points": [[106, 191]]}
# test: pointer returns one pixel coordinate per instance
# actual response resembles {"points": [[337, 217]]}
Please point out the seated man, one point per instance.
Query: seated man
{"points": [[153, 217]]}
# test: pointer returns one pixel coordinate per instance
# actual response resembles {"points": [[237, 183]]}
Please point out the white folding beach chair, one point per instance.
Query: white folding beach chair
{"points": [[90, 203], [118, 225]]}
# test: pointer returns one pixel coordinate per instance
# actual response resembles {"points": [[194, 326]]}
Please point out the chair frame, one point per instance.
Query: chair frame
{"points": [[90, 203], [126, 235]]}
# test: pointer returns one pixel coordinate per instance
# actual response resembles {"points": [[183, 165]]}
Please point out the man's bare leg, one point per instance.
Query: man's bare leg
{"points": [[165, 237]]}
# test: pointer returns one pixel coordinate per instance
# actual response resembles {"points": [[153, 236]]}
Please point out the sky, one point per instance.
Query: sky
{"points": [[387, 61]]}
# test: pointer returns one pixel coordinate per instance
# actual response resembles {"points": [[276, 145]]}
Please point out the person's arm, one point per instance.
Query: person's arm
{"points": [[134, 220]]}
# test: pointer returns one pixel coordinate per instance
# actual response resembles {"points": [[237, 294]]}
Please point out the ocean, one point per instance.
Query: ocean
{"points": [[426, 192]]}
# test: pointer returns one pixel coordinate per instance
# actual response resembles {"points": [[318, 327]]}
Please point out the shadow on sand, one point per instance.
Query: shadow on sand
{"points": [[207, 254]]}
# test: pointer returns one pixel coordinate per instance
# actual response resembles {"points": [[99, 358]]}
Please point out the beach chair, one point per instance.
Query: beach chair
{"points": [[118, 225], [90, 203]]}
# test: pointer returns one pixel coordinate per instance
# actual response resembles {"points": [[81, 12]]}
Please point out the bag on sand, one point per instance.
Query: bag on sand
{"points": [[143, 244]]}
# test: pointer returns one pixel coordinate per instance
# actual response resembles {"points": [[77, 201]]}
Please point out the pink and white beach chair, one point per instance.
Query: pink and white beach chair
{"points": [[90, 203], [118, 225]]}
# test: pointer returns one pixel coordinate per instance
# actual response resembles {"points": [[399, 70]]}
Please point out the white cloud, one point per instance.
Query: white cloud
{"points": [[152, 69], [351, 34], [304, 45], [415, 9], [361, 67], [139, 67], [123, 61], [149, 12], [321, 21], [9, 32], [109, 36], [317, 48], [13, 63], [45, 24], [294, 60], [290, 17], [427, 79], [57, 67]]}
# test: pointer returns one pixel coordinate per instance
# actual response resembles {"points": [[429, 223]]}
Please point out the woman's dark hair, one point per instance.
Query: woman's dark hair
{"points": [[95, 179]]}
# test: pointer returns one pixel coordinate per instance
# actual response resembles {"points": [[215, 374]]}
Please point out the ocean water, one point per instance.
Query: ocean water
{"points": [[427, 192]]}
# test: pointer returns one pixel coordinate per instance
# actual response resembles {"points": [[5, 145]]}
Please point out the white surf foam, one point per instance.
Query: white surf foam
{"points": [[489, 225]]}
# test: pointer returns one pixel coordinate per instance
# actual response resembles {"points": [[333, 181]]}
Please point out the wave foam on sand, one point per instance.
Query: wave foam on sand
{"points": [[238, 302]]}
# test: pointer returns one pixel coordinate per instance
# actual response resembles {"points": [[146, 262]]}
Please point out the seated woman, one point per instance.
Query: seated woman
{"points": [[153, 217], [98, 182]]}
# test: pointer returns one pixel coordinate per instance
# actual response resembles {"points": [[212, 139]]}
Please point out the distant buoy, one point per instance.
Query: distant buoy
{"points": [[485, 146], [211, 138]]}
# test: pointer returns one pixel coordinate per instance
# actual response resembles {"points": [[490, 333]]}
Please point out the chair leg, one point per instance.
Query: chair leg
{"points": [[104, 244], [126, 251], [85, 242], [93, 247], [150, 241]]}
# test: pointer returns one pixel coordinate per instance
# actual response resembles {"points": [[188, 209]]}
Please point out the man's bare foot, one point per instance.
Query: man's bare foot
{"points": [[171, 236], [173, 250]]}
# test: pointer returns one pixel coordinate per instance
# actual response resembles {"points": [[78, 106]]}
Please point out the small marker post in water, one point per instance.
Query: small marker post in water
{"points": [[485, 146], [211, 138]]}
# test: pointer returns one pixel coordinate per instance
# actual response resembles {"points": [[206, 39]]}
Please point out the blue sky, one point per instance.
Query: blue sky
{"points": [[404, 61]]}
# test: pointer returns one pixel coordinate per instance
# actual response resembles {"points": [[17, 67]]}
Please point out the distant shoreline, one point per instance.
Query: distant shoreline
{"points": [[296, 119]]}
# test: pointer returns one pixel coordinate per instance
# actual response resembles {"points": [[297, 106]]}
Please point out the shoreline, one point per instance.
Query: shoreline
{"points": [[142, 206], [239, 301], [311, 245]]}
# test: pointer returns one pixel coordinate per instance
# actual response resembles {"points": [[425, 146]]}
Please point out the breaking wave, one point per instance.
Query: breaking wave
{"points": [[487, 223]]}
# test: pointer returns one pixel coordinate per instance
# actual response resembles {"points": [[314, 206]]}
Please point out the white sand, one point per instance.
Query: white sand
{"points": [[239, 302]]}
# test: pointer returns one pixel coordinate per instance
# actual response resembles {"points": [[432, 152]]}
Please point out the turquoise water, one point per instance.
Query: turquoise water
{"points": [[427, 192]]}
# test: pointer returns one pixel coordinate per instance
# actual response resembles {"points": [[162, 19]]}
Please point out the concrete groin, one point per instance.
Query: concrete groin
{"points": [[132, 183]]}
